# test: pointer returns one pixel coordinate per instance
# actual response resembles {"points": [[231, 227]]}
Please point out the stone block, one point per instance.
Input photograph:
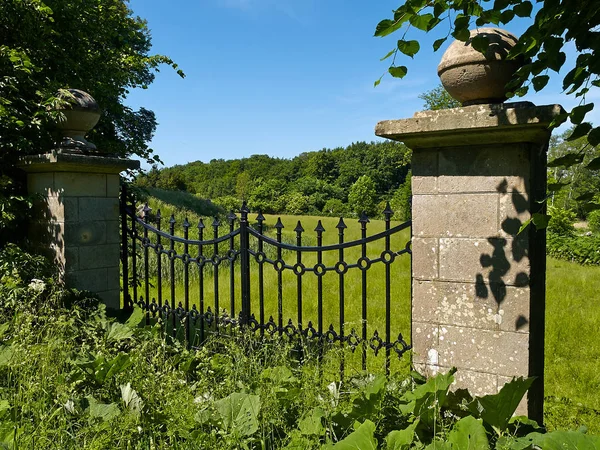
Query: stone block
{"points": [[93, 280], [56, 209], [449, 303], [493, 260], [113, 277], [460, 215], [112, 299], [425, 343], [489, 169], [424, 258], [113, 186], [94, 208], [113, 231], [41, 183], [498, 352], [71, 259], [478, 383], [424, 172], [97, 256], [78, 184], [85, 233], [513, 211]]}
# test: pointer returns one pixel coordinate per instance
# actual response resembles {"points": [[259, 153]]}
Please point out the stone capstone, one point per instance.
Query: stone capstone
{"points": [[472, 77]]}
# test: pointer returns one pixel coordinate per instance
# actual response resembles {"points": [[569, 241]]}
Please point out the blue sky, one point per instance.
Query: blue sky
{"points": [[280, 77]]}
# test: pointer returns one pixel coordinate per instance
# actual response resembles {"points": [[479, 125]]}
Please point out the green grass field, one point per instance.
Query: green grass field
{"points": [[572, 316]]}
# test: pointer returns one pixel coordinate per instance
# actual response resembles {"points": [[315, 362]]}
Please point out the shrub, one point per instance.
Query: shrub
{"points": [[584, 250], [594, 221], [561, 222]]}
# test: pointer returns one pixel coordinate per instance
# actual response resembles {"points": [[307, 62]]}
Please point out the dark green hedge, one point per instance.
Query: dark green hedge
{"points": [[584, 250]]}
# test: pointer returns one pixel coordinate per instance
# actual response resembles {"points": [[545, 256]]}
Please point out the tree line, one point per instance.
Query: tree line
{"points": [[361, 177]]}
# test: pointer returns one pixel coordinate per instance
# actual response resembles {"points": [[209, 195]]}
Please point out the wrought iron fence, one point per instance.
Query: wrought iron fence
{"points": [[155, 260]]}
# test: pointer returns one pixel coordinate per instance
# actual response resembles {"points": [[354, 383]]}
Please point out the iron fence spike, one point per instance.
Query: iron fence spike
{"points": [[299, 228], [319, 228], [279, 224], [341, 224]]}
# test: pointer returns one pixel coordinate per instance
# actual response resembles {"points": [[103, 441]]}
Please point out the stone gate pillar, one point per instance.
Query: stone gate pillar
{"points": [[76, 207], [478, 299]]}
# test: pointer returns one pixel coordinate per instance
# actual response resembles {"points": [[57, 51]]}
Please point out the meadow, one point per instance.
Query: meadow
{"points": [[572, 381]]}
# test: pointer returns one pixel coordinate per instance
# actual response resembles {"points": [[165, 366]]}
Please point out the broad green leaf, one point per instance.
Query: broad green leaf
{"points": [[524, 225], [239, 413], [398, 72], [507, 16], [594, 164], [568, 160], [559, 120], [589, 207], [363, 438], [425, 400], [559, 440], [523, 9], [401, 439], [580, 130], [461, 34], [131, 399], [439, 445], [102, 411], [480, 43], [594, 137], [119, 332], [117, 365], [438, 43], [312, 425], [496, 410], [390, 53], [578, 113], [585, 197], [421, 22], [6, 355], [540, 82], [388, 26], [468, 433], [377, 82], [541, 222], [555, 187], [409, 48]]}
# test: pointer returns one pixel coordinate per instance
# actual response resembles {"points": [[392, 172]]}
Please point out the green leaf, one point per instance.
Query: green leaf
{"points": [[507, 16], [462, 34], [558, 440], [594, 164], [409, 48], [131, 399], [398, 72], [480, 43], [589, 207], [402, 439], [118, 332], [558, 120], [390, 53], [523, 226], [312, 425], [541, 222], [102, 411], [363, 438], [555, 187], [540, 82], [568, 160], [580, 130], [421, 21], [6, 355], [496, 410], [388, 26], [585, 197], [239, 413], [578, 113], [594, 137], [438, 43], [523, 9], [469, 433]]}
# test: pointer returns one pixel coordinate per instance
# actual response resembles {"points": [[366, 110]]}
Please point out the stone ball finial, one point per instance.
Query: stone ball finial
{"points": [[78, 117], [472, 77]]}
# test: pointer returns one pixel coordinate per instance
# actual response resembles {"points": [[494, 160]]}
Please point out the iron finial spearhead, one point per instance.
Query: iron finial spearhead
{"points": [[279, 223], [216, 222], [201, 225], [299, 228], [186, 223], [341, 224], [172, 219], [319, 228], [260, 217], [364, 219], [231, 217], [387, 212]]}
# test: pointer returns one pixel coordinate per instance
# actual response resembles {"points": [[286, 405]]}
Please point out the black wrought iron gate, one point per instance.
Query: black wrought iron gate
{"points": [[158, 267]]}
